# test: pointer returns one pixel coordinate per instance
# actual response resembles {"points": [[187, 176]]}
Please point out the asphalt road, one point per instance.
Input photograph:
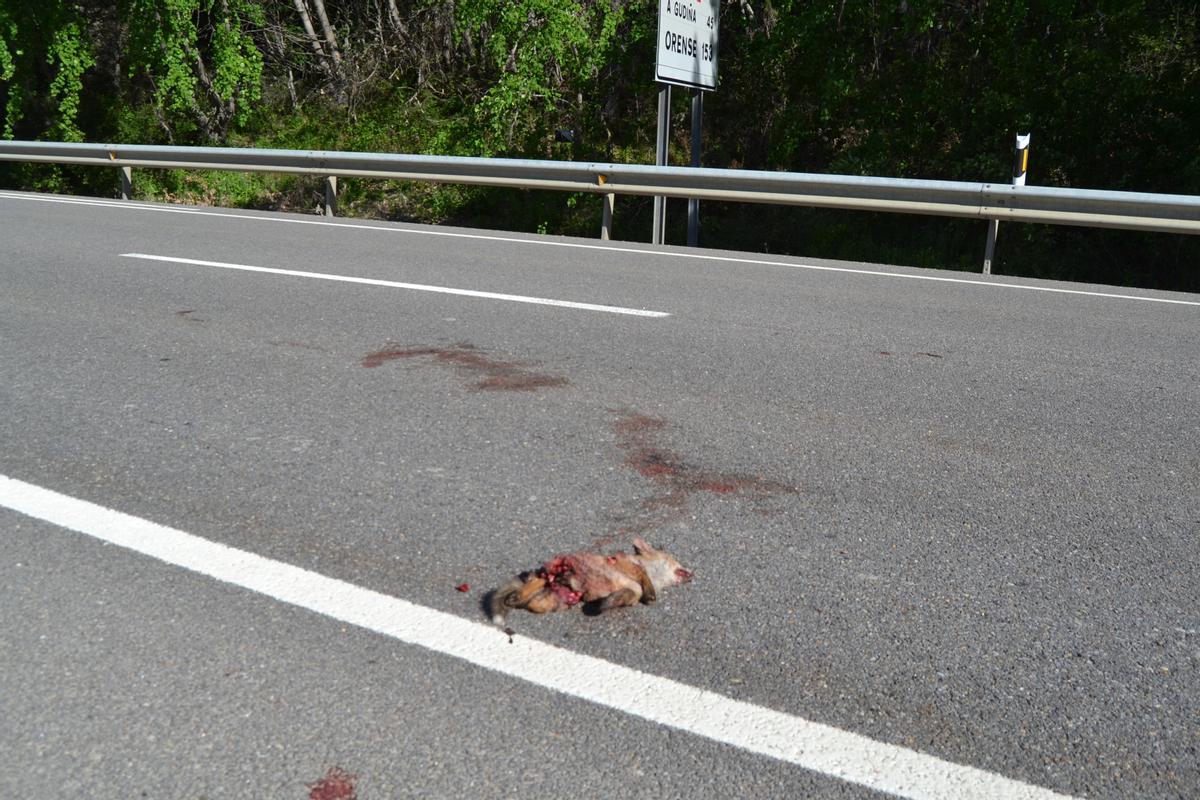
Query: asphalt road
{"points": [[957, 516]]}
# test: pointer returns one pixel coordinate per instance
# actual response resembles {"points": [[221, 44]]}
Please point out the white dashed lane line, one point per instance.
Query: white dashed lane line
{"points": [[418, 287]]}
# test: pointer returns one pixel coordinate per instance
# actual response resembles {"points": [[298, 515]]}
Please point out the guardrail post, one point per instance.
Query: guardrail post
{"points": [[330, 195], [606, 222], [126, 183], [1020, 167], [990, 250]]}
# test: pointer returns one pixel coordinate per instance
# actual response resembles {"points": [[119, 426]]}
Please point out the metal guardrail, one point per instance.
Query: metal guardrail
{"points": [[990, 201]]}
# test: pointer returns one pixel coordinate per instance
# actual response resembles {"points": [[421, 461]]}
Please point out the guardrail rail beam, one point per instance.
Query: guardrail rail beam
{"points": [[1055, 206]]}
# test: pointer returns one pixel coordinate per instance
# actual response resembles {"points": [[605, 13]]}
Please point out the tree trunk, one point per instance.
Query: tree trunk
{"points": [[330, 36], [394, 15], [311, 33]]}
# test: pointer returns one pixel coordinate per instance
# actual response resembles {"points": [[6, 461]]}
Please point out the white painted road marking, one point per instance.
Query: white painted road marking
{"points": [[699, 256], [418, 287], [813, 746]]}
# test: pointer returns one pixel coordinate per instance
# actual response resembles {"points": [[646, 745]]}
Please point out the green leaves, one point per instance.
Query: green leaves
{"points": [[162, 40], [8, 70], [545, 57], [69, 53], [195, 60], [203, 68], [237, 62], [44, 53]]}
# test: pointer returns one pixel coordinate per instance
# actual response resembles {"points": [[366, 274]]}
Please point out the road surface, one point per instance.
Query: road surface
{"points": [[944, 527]]}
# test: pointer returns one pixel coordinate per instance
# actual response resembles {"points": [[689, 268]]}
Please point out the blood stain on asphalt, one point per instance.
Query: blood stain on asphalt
{"points": [[336, 785], [676, 478], [494, 375]]}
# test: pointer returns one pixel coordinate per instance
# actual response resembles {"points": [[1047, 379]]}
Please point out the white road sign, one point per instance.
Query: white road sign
{"points": [[687, 43]]}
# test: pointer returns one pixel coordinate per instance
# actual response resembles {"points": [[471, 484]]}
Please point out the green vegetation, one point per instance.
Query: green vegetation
{"points": [[907, 88]]}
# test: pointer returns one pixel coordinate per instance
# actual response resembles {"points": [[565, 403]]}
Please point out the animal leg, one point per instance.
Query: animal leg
{"points": [[648, 593], [621, 597], [528, 591], [634, 570], [543, 602]]}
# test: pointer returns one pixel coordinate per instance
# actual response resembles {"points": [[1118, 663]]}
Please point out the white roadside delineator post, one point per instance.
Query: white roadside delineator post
{"points": [[1020, 167]]}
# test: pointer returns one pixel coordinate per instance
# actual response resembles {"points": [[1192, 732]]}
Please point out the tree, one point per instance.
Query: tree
{"points": [[544, 58], [44, 53], [199, 60]]}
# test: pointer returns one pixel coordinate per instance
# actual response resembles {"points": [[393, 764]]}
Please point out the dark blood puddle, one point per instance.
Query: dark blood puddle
{"points": [[336, 785], [490, 375], [676, 478]]}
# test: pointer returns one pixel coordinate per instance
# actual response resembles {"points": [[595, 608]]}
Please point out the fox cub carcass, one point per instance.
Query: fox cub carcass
{"points": [[599, 582]]}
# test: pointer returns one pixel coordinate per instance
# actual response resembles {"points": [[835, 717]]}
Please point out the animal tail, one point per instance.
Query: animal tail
{"points": [[501, 600]]}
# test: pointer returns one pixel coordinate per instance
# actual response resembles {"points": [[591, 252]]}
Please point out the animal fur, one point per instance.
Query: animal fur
{"points": [[596, 581]]}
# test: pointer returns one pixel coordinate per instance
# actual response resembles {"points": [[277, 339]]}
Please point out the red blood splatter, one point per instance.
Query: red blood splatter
{"points": [[654, 463], [631, 422], [372, 360], [463, 587], [557, 572], [677, 479], [724, 486], [503, 376], [636, 435], [336, 785], [520, 382]]}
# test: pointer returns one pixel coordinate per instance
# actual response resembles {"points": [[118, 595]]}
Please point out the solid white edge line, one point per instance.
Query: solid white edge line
{"points": [[418, 287], [609, 248], [774, 734]]}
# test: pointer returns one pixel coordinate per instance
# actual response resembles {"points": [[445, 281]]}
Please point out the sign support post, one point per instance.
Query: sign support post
{"points": [[659, 234], [687, 56], [693, 234]]}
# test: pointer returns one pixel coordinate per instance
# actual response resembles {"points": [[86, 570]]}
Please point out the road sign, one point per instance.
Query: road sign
{"points": [[687, 43]]}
